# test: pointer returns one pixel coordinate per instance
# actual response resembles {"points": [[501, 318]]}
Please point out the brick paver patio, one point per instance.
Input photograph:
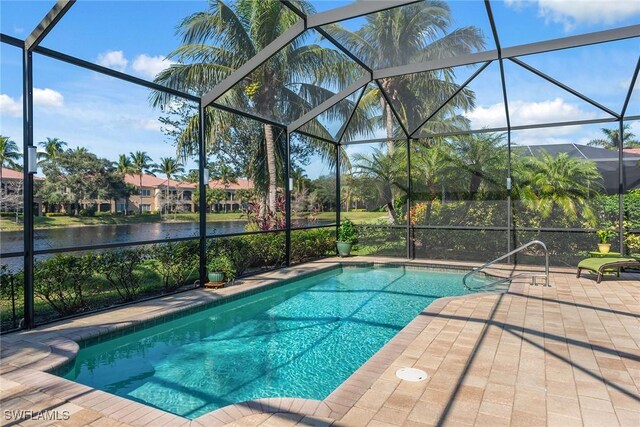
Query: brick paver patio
{"points": [[562, 355]]}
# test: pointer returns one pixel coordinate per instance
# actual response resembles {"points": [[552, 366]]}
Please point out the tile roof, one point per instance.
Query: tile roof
{"points": [[241, 184], [14, 174], [154, 181]]}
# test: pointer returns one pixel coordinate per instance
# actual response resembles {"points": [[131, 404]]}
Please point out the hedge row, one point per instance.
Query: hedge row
{"points": [[70, 284]]}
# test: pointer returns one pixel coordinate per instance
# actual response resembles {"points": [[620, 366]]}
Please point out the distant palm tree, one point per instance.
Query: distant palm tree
{"points": [[141, 164], [611, 141], [387, 170], [430, 168], [551, 185], [218, 41], [9, 154], [414, 33], [124, 165], [169, 167], [53, 147]]}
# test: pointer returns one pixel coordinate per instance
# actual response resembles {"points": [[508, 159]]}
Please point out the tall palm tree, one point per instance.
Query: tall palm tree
{"points": [[169, 167], [9, 154], [53, 147], [549, 185], [218, 41], [141, 163], [611, 140], [124, 165], [414, 33]]}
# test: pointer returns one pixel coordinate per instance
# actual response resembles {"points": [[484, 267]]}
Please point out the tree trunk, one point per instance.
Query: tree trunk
{"points": [[140, 190], [388, 116], [271, 167]]}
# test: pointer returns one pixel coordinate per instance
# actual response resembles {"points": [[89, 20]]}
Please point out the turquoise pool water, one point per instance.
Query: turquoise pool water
{"points": [[302, 339]]}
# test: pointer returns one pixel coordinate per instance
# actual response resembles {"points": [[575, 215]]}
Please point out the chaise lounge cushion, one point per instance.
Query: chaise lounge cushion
{"points": [[599, 265]]}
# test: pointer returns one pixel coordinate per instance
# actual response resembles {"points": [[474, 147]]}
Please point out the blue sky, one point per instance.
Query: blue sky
{"points": [[110, 117]]}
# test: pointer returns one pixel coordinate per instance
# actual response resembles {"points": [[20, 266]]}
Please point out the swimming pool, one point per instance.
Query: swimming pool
{"points": [[302, 339]]}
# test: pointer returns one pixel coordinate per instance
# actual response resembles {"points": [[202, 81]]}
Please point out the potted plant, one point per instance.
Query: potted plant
{"points": [[605, 236], [346, 238], [221, 270]]}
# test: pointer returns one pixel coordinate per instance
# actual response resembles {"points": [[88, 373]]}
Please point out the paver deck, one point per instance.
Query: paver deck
{"points": [[563, 355]]}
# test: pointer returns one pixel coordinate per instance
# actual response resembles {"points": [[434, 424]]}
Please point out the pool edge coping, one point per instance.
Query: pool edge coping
{"points": [[63, 348]]}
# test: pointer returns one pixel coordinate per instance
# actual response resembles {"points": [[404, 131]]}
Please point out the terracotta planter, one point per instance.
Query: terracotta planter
{"points": [[604, 248], [344, 248]]}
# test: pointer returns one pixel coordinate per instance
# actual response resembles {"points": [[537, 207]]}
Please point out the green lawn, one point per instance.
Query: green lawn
{"points": [[9, 224]]}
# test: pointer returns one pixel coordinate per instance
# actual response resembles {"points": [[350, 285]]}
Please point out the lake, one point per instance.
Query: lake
{"points": [[71, 237]]}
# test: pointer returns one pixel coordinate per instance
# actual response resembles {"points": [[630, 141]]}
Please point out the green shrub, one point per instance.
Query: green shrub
{"points": [[223, 263], [175, 262], [347, 232], [239, 250], [268, 247], [55, 214], [88, 212], [310, 244], [119, 268], [63, 281]]}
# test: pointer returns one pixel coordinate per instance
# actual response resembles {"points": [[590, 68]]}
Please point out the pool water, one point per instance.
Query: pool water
{"points": [[301, 339]]}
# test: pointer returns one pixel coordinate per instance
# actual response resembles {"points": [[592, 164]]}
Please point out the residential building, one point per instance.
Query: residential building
{"points": [[152, 195], [11, 192], [233, 200]]}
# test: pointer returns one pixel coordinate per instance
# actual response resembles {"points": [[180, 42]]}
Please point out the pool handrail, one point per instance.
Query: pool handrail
{"points": [[507, 279]]}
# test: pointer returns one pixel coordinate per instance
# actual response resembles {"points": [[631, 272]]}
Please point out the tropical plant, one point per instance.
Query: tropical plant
{"points": [[411, 34], [386, 169], [611, 139], [9, 154], [53, 148], [223, 263], [218, 41], [605, 235], [347, 232], [169, 167], [551, 185], [141, 163]]}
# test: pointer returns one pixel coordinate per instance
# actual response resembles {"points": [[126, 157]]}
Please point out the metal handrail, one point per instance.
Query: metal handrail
{"points": [[513, 252]]}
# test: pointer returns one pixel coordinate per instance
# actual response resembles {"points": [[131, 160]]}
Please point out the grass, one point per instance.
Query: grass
{"points": [[40, 222]]}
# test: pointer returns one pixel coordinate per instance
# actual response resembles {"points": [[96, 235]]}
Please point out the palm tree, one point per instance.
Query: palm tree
{"points": [[551, 184], [612, 137], [218, 41], [414, 33], [53, 147], [169, 167], [388, 171], [141, 163], [124, 165], [430, 168], [9, 154]]}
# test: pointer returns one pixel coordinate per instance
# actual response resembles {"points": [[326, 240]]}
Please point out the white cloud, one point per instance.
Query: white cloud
{"points": [[150, 66], [47, 98], [523, 112], [571, 13], [10, 106], [113, 59], [148, 124], [41, 98]]}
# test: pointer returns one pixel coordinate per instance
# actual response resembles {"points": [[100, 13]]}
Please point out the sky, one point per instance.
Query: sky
{"points": [[112, 117]]}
